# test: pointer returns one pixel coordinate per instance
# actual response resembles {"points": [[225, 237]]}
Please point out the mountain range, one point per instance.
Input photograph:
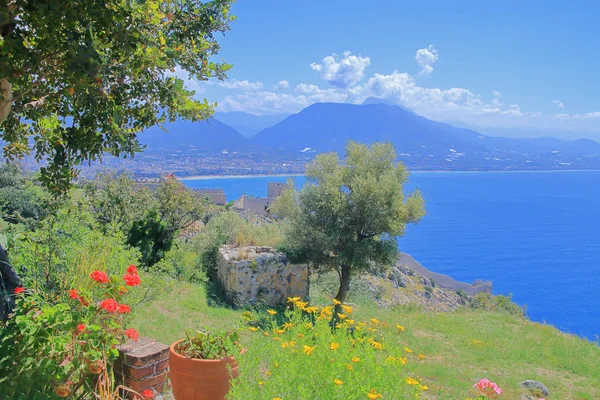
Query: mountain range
{"points": [[420, 142]]}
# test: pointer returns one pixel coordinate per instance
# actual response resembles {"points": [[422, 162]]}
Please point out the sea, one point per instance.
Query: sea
{"points": [[535, 235]]}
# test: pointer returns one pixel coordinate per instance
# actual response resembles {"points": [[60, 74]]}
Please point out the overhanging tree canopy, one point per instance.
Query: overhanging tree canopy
{"points": [[81, 78]]}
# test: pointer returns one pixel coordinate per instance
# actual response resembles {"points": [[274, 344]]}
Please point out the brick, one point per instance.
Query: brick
{"points": [[148, 383], [161, 366], [142, 352], [137, 372]]}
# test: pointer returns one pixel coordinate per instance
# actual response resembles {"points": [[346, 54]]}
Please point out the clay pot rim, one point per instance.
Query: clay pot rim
{"points": [[174, 353]]}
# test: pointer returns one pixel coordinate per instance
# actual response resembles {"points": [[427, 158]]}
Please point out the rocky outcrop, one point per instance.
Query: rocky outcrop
{"points": [[259, 275], [406, 261], [408, 282]]}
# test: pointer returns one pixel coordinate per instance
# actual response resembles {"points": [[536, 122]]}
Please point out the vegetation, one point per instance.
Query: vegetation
{"points": [[209, 345], [350, 212], [54, 351], [85, 78], [460, 348]]}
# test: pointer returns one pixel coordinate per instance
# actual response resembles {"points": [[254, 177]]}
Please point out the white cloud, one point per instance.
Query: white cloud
{"points": [[342, 73], [559, 104], [426, 58], [283, 84], [243, 85], [452, 104]]}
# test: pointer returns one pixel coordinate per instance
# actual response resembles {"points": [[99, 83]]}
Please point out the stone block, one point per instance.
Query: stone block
{"points": [[251, 275]]}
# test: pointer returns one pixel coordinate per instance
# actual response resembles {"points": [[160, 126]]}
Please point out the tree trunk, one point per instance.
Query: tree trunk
{"points": [[6, 99], [9, 281], [344, 286]]}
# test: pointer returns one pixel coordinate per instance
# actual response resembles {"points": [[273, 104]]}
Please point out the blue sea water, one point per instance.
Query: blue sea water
{"points": [[535, 235]]}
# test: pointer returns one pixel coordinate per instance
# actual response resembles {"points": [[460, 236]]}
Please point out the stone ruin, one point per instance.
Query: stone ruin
{"points": [[259, 275]]}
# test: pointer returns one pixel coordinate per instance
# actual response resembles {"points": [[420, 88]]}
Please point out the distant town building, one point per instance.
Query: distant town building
{"points": [[274, 189], [256, 205], [216, 196], [260, 205]]}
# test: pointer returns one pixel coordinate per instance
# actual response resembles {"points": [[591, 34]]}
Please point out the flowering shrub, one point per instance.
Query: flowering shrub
{"points": [[487, 390], [309, 352], [60, 350]]}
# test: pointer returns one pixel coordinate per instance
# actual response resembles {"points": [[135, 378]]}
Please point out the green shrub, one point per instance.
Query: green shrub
{"points": [[501, 303], [54, 351]]}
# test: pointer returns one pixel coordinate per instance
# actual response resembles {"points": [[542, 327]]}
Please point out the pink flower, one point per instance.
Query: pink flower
{"points": [[487, 388], [99, 276], [109, 305]]}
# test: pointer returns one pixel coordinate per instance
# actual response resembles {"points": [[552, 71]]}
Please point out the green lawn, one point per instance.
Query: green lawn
{"points": [[460, 347]]}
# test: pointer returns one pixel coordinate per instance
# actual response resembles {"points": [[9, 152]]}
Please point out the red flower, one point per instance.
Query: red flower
{"points": [[80, 328], [73, 294], [148, 394], [132, 279], [83, 302], [19, 290], [132, 270], [62, 391], [99, 276], [132, 334], [124, 309], [109, 305]]}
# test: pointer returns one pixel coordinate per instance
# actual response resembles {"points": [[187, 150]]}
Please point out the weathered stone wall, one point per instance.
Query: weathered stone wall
{"points": [[258, 275]]}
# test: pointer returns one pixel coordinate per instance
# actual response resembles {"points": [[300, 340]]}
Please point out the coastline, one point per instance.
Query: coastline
{"points": [[204, 177]]}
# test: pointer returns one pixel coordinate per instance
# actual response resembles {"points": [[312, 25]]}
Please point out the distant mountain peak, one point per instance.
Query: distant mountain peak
{"points": [[376, 100]]}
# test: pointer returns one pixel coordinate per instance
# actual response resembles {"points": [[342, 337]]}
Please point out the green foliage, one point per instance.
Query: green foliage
{"points": [[231, 228], [500, 303], [116, 201], [209, 345], [48, 350], [150, 220], [65, 248], [84, 78], [183, 263], [299, 354], [350, 212], [20, 200]]}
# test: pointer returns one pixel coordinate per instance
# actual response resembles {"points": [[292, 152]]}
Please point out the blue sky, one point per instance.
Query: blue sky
{"points": [[509, 64]]}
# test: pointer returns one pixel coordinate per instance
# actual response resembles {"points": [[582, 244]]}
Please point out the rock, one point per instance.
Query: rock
{"points": [[535, 387], [527, 397], [397, 278]]}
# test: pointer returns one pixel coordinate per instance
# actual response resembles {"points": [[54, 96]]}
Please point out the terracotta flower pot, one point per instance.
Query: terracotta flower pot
{"points": [[196, 379]]}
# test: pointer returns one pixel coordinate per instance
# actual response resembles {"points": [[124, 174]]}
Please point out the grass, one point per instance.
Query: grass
{"points": [[460, 347]]}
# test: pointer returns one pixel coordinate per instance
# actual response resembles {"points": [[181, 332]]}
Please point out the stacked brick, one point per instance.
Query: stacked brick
{"points": [[143, 365]]}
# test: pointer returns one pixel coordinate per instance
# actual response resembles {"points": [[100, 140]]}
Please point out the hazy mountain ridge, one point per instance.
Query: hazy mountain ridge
{"points": [[248, 124], [420, 143]]}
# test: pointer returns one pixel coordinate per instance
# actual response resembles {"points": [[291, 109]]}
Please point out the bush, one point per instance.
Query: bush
{"points": [[300, 356], [501, 303], [231, 228], [55, 351]]}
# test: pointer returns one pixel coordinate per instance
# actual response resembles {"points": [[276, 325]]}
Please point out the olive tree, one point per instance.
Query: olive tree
{"points": [[350, 212], [81, 78]]}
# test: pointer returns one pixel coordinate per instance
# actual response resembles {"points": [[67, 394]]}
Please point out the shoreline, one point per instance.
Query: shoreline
{"points": [[206, 177]]}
